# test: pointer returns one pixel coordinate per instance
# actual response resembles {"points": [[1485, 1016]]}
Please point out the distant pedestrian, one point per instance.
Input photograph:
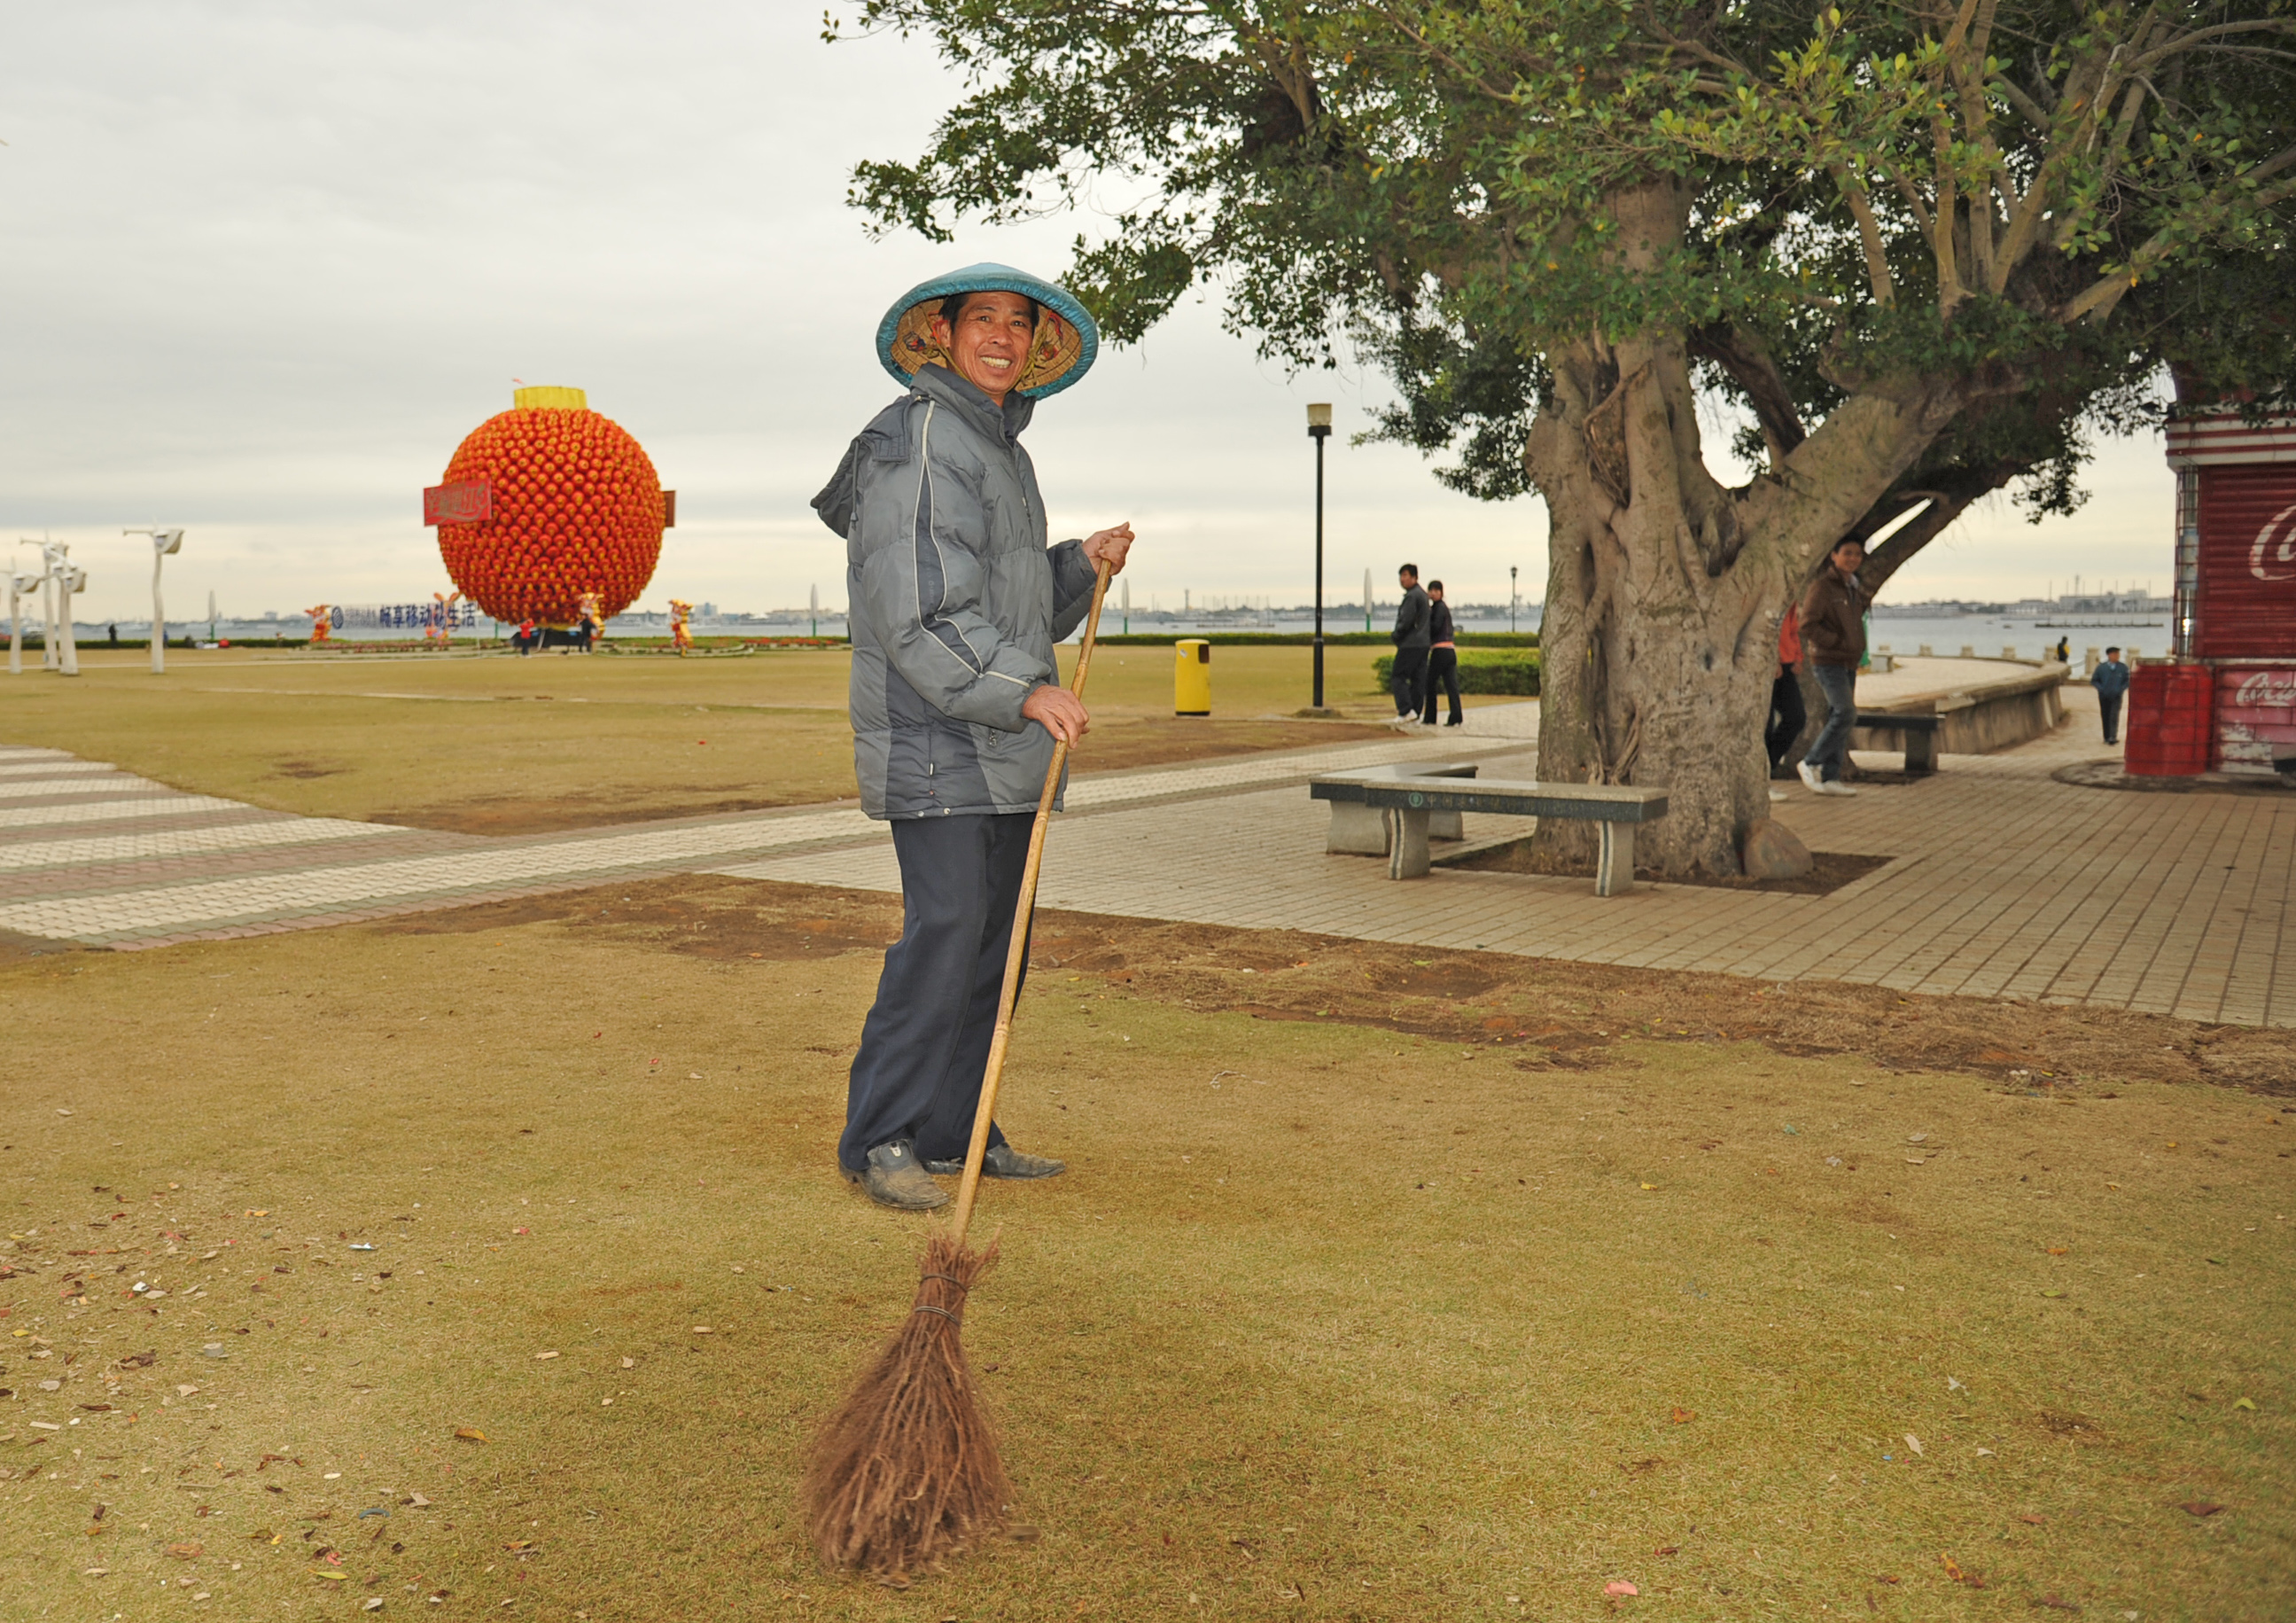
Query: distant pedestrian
{"points": [[1833, 639], [2110, 680], [1442, 659], [115, 634], [1412, 635], [2064, 650], [1788, 714]]}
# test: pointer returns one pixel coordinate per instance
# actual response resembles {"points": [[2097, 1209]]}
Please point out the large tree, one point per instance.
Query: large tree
{"points": [[1926, 246]]}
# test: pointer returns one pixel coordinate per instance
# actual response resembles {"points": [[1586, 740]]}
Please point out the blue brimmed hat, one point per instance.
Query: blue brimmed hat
{"points": [[1061, 353]]}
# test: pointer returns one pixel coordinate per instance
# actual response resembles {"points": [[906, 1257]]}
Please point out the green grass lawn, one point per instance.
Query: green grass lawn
{"points": [[498, 745], [1325, 1322]]}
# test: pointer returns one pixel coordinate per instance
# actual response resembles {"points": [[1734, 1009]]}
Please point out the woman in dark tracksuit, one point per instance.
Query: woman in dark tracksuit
{"points": [[1442, 658]]}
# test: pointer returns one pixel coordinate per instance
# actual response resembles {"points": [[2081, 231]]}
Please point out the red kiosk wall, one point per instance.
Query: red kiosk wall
{"points": [[2248, 562]]}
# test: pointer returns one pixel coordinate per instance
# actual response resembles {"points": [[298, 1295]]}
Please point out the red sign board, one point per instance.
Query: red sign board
{"points": [[471, 502]]}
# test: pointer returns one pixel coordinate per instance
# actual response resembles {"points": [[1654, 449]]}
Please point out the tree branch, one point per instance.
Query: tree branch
{"points": [[1742, 355], [1869, 234], [2186, 42], [2101, 295]]}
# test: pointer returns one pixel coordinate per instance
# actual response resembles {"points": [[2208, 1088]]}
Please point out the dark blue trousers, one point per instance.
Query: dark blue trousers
{"points": [[924, 1047]]}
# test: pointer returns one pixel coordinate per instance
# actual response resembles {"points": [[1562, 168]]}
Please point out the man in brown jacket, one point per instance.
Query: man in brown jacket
{"points": [[1833, 640]]}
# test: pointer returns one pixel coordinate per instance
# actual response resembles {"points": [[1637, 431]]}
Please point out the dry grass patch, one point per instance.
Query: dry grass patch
{"points": [[1330, 1320]]}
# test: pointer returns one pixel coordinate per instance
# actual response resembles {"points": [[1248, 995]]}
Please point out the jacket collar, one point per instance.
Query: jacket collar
{"points": [[936, 383]]}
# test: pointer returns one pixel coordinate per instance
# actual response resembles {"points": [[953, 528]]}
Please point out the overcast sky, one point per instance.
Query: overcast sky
{"points": [[265, 265]]}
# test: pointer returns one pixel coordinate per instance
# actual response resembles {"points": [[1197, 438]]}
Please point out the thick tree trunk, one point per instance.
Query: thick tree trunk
{"points": [[1664, 589]]}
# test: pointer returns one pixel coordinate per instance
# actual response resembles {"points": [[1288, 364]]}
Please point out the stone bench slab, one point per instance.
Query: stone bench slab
{"points": [[1614, 808]]}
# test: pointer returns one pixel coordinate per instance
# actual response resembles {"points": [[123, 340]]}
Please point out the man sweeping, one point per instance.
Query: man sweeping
{"points": [[956, 603]]}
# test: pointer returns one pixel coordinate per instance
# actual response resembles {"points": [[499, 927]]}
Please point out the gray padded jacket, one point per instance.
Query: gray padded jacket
{"points": [[955, 602]]}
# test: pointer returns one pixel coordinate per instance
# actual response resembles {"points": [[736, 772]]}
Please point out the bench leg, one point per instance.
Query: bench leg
{"points": [[1447, 825], [1408, 859], [1357, 830], [1921, 752], [1614, 866]]}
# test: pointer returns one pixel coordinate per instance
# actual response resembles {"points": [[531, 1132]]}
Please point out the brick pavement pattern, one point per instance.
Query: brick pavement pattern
{"points": [[2002, 882]]}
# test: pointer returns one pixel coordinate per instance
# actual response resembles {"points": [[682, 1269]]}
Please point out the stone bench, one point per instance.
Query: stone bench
{"points": [[1362, 831], [1920, 733], [1613, 809]]}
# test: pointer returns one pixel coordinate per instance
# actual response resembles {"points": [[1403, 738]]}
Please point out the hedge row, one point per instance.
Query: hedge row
{"points": [[1483, 671]]}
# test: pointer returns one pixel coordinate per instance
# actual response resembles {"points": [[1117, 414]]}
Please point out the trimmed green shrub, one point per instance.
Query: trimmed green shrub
{"points": [[1508, 670]]}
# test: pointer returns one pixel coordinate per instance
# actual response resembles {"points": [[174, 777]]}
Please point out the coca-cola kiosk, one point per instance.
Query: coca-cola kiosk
{"points": [[2226, 703]]}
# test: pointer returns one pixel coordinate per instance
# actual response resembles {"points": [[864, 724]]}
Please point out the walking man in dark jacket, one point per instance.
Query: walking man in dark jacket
{"points": [[1442, 659], [1413, 635], [955, 605], [1833, 640], [2110, 680]]}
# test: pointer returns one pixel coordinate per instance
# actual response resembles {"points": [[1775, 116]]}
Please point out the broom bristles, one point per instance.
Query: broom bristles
{"points": [[906, 1471]]}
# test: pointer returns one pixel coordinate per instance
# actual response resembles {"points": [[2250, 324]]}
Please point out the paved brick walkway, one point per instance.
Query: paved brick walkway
{"points": [[2002, 881]]}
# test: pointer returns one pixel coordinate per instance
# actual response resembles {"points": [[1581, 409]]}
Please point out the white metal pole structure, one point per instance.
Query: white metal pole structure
{"points": [[1127, 585], [211, 614], [813, 607], [71, 579], [52, 554], [165, 543], [19, 587]]}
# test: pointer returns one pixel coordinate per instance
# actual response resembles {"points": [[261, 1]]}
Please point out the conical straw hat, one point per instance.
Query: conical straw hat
{"points": [[1063, 350]]}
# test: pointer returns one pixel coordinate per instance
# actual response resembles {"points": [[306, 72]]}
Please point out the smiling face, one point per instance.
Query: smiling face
{"points": [[988, 342]]}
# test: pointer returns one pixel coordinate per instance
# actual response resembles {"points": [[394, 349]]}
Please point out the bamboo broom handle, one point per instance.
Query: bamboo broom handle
{"points": [[1016, 955]]}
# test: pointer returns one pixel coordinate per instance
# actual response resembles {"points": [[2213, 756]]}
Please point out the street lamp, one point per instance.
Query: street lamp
{"points": [[165, 543], [1512, 597], [1319, 429]]}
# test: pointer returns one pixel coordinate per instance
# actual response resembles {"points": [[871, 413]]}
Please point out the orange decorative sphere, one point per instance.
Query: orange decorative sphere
{"points": [[577, 507]]}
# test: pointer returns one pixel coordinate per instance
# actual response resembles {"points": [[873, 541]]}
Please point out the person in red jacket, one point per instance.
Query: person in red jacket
{"points": [[1788, 714]]}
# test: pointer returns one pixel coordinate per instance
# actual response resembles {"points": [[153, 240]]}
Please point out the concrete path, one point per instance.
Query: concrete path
{"points": [[2001, 883]]}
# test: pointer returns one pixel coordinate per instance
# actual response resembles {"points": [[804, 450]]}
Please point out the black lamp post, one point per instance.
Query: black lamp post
{"points": [[1319, 429], [1513, 597]]}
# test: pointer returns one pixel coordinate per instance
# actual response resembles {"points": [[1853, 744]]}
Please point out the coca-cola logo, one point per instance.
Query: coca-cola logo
{"points": [[2266, 689], [2269, 551]]}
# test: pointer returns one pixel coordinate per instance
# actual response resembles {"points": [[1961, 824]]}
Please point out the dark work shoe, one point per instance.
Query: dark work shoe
{"points": [[894, 1178], [1004, 1161]]}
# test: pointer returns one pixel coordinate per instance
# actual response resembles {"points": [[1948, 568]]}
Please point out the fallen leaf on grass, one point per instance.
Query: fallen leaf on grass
{"points": [[542, 1356], [1667, 1550], [1683, 1417], [1912, 1442], [186, 1552], [1953, 1570], [2199, 1507], [331, 1573], [2244, 1403], [1619, 1587], [2039, 1521], [469, 1434], [2056, 1603], [519, 1544], [416, 1500]]}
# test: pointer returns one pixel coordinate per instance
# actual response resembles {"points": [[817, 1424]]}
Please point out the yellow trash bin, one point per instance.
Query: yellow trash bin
{"points": [[1192, 677]]}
